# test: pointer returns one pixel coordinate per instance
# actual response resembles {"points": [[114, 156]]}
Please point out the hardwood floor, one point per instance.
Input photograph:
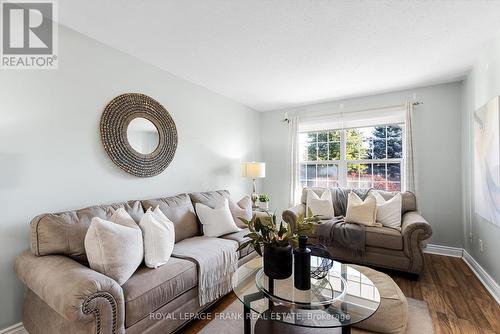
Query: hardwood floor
{"points": [[457, 300]]}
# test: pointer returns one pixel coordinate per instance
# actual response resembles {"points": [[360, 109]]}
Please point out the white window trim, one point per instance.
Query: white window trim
{"points": [[342, 163]]}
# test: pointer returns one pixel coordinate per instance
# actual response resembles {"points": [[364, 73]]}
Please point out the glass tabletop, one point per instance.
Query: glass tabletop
{"points": [[344, 297]]}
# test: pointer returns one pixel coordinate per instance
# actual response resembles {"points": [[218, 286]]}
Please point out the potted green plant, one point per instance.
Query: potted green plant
{"points": [[264, 202], [274, 242]]}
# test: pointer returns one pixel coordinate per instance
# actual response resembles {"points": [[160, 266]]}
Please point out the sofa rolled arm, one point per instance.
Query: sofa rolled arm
{"points": [[291, 215], [414, 229], [260, 214], [73, 290]]}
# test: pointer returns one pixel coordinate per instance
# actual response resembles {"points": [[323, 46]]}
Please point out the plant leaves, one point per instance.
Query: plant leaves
{"points": [[245, 245], [265, 221], [253, 235], [244, 221], [282, 230], [309, 212], [258, 249]]}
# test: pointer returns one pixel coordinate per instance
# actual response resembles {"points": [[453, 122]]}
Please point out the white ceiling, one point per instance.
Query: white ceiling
{"points": [[271, 54]]}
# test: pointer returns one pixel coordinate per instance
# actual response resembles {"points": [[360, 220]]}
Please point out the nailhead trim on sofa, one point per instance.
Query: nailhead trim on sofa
{"points": [[95, 311]]}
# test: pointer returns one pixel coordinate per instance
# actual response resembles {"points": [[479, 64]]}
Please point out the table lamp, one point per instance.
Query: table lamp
{"points": [[254, 170]]}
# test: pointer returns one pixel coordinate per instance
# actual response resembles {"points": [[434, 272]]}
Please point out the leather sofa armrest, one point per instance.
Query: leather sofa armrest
{"points": [[414, 229], [74, 291], [291, 215]]}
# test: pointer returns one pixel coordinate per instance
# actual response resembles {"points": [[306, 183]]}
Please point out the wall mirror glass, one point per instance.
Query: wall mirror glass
{"points": [[143, 135]]}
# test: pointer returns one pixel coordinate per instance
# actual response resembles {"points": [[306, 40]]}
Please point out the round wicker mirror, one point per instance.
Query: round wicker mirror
{"points": [[133, 151]]}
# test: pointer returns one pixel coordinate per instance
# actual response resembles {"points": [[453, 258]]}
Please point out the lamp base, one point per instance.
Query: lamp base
{"points": [[254, 196]]}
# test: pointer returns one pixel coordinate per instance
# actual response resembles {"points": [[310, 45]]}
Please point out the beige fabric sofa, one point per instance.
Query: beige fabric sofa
{"points": [[385, 247], [65, 296]]}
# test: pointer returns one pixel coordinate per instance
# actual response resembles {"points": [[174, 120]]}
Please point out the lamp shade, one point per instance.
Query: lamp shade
{"points": [[254, 169]]}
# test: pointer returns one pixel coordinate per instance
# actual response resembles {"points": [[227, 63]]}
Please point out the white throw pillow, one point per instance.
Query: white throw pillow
{"points": [[322, 207], [389, 211], [159, 237], [361, 212], [217, 221], [114, 248], [122, 217], [242, 209]]}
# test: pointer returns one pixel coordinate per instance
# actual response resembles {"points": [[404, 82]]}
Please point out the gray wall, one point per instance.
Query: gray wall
{"points": [[51, 158], [481, 85], [438, 151]]}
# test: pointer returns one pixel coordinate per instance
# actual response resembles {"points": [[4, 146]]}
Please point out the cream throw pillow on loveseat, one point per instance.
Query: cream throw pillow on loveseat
{"points": [[389, 211], [114, 248], [361, 212]]}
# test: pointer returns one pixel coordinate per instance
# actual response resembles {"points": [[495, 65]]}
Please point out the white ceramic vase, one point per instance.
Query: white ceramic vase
{"points": [[264, 205]]}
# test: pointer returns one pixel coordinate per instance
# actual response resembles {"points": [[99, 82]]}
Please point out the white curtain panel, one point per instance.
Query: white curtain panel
{"points": [[410, 173], [293, 142]]}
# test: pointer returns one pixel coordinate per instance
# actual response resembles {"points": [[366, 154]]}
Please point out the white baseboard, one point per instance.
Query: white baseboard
{"points": [[14, 329], [444, 250], [488, 282]]}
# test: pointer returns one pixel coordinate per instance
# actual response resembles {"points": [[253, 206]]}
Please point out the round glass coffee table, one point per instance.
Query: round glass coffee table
{"points": [[341, 299]]}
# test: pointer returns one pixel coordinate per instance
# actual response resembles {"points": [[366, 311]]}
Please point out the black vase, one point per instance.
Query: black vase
{"points": [[302, 265], [278, 261]]}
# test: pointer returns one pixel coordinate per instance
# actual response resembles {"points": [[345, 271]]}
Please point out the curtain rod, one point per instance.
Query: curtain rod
{"points": [[416, 103]]}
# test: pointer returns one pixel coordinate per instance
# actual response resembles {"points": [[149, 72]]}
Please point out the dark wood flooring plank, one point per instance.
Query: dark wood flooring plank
{"points": [[462, 326], [441, 323], [491, 312], [436, 301], [444, 273], [417, 291]]}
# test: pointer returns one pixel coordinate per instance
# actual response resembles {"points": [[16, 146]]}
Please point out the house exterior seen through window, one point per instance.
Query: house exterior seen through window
{"points": [[368, 157]]}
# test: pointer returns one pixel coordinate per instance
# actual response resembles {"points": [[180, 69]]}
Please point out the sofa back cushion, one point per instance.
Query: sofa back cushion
{"points": [[208, 198], [409, 199], [180, 211], [64, 233], [339, 198]]}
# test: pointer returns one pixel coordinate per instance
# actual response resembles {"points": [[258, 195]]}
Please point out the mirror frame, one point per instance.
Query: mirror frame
{"points": [[114, 123]]}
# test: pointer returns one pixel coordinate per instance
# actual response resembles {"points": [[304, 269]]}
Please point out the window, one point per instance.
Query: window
{"points": [[367, 157]]}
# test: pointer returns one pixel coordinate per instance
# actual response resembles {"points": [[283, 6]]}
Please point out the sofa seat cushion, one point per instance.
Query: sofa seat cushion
{"points": [[384, 237], [149, 289], [239, 237], [392, 314]]}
